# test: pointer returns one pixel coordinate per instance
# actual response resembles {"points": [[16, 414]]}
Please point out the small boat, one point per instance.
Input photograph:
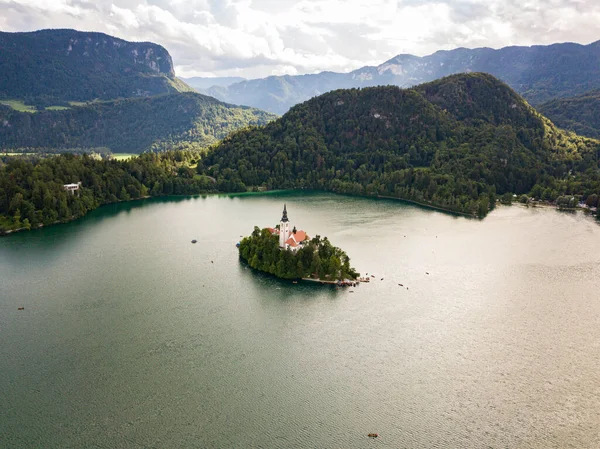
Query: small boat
{"points": [[21, 308], [373, 435], [294, 282], [194, 241]]}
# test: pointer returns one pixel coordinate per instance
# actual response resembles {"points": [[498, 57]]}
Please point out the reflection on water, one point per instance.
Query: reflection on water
{"points": [[133, 337], [285, 289]]}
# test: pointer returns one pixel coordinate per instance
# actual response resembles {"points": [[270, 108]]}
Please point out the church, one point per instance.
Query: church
{"points": [[289, 238]]}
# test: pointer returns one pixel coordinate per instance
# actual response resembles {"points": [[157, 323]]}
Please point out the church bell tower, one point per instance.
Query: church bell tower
{"points": [[284, 228]]}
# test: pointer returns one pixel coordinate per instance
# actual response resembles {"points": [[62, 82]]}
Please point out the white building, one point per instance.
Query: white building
{"points": [[72, 187], [284, 228], [289, 237]]}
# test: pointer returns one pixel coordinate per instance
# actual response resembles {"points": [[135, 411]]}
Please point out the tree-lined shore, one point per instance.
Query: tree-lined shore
{"points": [[32, 189]]}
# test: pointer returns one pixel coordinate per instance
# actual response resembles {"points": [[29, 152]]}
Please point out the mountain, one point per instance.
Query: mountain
{"points": [[539, 73], [182, 120], [580, 113], [202, 83], [69, 65], [454, 143]]}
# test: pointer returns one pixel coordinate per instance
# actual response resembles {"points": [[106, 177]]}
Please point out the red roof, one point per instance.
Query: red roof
{"points": [[291, 242], [300, 236], [296, 239]]}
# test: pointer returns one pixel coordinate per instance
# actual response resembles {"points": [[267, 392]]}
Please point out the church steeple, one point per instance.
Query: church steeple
{"points": [[284, 219], [284, 228]]}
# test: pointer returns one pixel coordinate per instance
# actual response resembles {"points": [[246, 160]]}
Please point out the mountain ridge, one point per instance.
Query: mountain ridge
{"points": [[539, 73], [201, 83], [71, 65]]}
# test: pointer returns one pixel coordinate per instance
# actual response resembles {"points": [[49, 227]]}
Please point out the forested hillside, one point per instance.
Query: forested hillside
{"points": [[183, 120], [539, 73], [32, 193], [580, 114], [455, 143], [54, 66]]}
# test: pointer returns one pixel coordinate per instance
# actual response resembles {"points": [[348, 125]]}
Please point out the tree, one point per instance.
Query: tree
{"points": [[483, 206], [507, 198], [17, 219]]}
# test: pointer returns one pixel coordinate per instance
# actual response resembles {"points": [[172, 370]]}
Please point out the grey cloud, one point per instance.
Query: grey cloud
{"points": [[466, 11], [350, 40]]}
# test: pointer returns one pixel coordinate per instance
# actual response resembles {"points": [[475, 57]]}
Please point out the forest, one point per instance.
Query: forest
{"points": [[175, 121], [318, 259], [457, 143], [580, 114], [32, 193]]}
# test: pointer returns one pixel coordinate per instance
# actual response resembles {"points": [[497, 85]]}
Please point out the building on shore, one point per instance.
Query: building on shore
{"points": [[72, 187]]}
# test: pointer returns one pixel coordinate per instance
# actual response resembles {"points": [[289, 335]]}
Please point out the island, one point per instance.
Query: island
{"points": [[288, 253]]}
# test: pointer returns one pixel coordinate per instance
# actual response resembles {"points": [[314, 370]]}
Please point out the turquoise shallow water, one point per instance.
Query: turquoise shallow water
{"points": [[133, 337]]}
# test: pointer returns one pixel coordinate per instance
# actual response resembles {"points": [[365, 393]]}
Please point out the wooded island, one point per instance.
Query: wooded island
{"points": [[317, 259], [290, 254]]}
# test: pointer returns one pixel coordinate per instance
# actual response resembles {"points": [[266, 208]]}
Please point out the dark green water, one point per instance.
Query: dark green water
{"points": [[132, 337]]}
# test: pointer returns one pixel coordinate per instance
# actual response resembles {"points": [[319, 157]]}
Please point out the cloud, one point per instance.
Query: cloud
{"points": [[256, 38]]}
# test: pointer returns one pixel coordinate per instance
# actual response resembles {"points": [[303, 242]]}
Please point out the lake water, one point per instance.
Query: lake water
{"points": [[132, 337]]}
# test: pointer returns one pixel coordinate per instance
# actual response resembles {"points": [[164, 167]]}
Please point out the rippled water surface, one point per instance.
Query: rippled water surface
{"points": [[133, 337]]}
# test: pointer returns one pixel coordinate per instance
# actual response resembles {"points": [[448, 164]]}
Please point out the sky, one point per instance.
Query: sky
{"points": [[258, 38]]}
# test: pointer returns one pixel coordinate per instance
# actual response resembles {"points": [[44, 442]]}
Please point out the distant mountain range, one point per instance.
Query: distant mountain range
{"points": [[538, 73], [69, 65], [67, 69], [202, 83]]}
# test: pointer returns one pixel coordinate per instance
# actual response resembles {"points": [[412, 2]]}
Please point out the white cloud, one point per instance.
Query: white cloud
{"points": [[256, 38]]}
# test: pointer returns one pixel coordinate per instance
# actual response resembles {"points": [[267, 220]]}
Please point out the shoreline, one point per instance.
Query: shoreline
{"points": [[73, 218], [346, 283], [430, 206], [540, 204]]}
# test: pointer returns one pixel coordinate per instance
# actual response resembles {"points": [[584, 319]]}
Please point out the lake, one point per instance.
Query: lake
{"points": [[132, 337]]}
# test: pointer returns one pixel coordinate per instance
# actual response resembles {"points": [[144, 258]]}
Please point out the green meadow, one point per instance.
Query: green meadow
{"points": [[123, 156], [18, 105]]}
